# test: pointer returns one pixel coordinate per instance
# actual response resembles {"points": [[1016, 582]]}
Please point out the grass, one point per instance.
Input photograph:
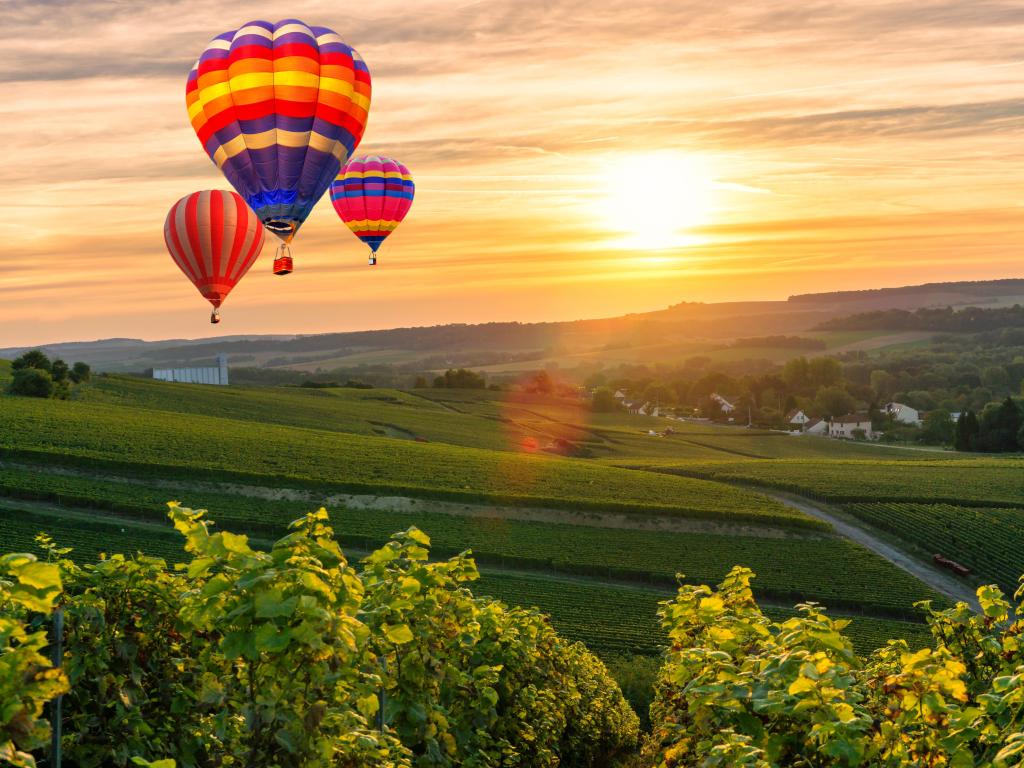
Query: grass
{"points": [[105, 437], [356, 411], [133, 443], [792, 569], [944, 479], [608, 618]]}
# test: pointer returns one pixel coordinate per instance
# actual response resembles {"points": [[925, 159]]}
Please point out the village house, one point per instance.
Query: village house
{"points": [[620, 395], [816, 427], [724, 404], [904, 414], [850, 426], [797, 417]]}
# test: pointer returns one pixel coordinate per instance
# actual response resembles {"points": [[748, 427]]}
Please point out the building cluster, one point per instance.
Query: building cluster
{"points": [[637, 407], [852, 425]]}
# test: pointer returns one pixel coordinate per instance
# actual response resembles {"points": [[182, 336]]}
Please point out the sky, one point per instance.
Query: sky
{"points": [[572, 159]]}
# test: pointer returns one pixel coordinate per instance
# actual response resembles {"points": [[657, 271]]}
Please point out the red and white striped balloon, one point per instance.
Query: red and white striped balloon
{"points": [[213, 237]]}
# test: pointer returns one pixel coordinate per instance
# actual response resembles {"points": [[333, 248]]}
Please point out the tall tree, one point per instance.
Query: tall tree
{"points": [[967, 429], [82, 372], [59, 370], [33, 359]]}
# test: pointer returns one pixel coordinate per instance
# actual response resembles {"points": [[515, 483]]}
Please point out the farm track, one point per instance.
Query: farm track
{"points": [[430, 506], [944, 584]]}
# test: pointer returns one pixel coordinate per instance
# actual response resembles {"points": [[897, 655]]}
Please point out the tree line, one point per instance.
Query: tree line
{"points": [[35, 375]]}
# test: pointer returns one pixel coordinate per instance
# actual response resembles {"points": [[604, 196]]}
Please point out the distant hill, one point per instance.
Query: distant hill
{"points": [[675, 332]]}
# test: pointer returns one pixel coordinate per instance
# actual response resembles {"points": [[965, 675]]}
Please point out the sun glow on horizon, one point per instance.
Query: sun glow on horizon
{"points": [[653, 199]]}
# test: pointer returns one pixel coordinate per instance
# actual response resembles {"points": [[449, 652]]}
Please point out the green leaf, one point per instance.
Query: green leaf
{"points": [[418, 536], [272, 603], [399, 634], [43, 576], [270, 640], [368, 705]]}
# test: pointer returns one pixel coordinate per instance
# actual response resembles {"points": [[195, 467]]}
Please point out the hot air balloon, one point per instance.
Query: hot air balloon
{"points": [[372, 195], [279, 108], [214, 238]]}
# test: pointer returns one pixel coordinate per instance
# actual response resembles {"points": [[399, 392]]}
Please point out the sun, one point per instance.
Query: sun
{"points": [[654, 199]]}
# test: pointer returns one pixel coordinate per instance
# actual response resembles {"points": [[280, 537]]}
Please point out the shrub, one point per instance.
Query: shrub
{"points": [[81, 372], [32, 359], [31, 382], [740, 689], [241, 657], [27, 678]]}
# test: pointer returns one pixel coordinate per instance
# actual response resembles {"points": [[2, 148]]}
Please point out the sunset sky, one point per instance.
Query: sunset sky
{"points": [[572, 159]]}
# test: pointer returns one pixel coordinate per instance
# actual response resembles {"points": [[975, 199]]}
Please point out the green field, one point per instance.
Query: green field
{"points": [[595, 538], [609, 618], [829, 570], [358, 411], [183, 445], [960, 481], [498, 421]]}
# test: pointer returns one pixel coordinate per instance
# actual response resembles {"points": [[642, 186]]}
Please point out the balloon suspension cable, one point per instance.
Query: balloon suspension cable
{"points": [[215, 316], [373, 258]]}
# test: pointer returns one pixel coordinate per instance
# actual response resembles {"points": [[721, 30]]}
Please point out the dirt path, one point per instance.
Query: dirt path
{"points": [[945, 584]]}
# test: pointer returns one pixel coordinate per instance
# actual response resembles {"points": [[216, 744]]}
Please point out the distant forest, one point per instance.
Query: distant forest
{"points": [[967, 320], [979, 288]]}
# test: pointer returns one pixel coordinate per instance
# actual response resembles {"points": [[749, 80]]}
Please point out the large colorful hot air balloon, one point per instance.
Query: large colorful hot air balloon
{"points": [[372, 195], [279, 108], [214, 238]]}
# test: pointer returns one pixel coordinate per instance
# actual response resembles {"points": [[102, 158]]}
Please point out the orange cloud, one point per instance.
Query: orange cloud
{"points": [[851, 145]]}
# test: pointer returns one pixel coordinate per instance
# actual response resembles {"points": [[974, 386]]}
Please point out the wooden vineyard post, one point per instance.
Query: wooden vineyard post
{"points": [[56, 713]]}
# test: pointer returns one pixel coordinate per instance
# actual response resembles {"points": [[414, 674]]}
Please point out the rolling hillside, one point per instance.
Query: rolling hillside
{"points": [[680, 330], [611, 524]]}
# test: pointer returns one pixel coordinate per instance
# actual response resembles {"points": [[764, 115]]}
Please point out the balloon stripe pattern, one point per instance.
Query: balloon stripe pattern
{"points": [[279, 107], [372, 195], [214, 238]]}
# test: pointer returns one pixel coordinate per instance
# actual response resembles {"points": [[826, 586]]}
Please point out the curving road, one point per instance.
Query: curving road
{"points": [[945, 584]]}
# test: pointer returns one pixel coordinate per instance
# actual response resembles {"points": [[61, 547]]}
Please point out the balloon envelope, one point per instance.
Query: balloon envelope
{"points": [[279, 107], [372, 195], [214, 238]]}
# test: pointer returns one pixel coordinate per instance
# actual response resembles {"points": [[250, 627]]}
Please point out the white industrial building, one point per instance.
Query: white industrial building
{"points": [[217, 375]]}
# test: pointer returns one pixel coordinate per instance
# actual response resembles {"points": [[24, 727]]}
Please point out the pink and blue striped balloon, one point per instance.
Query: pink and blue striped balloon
{"points": [[372, 195]]}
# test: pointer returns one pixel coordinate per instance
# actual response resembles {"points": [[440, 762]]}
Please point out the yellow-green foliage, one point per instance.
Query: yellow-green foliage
{"points": [[242, 657], [738, 689], [27, 679]]}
